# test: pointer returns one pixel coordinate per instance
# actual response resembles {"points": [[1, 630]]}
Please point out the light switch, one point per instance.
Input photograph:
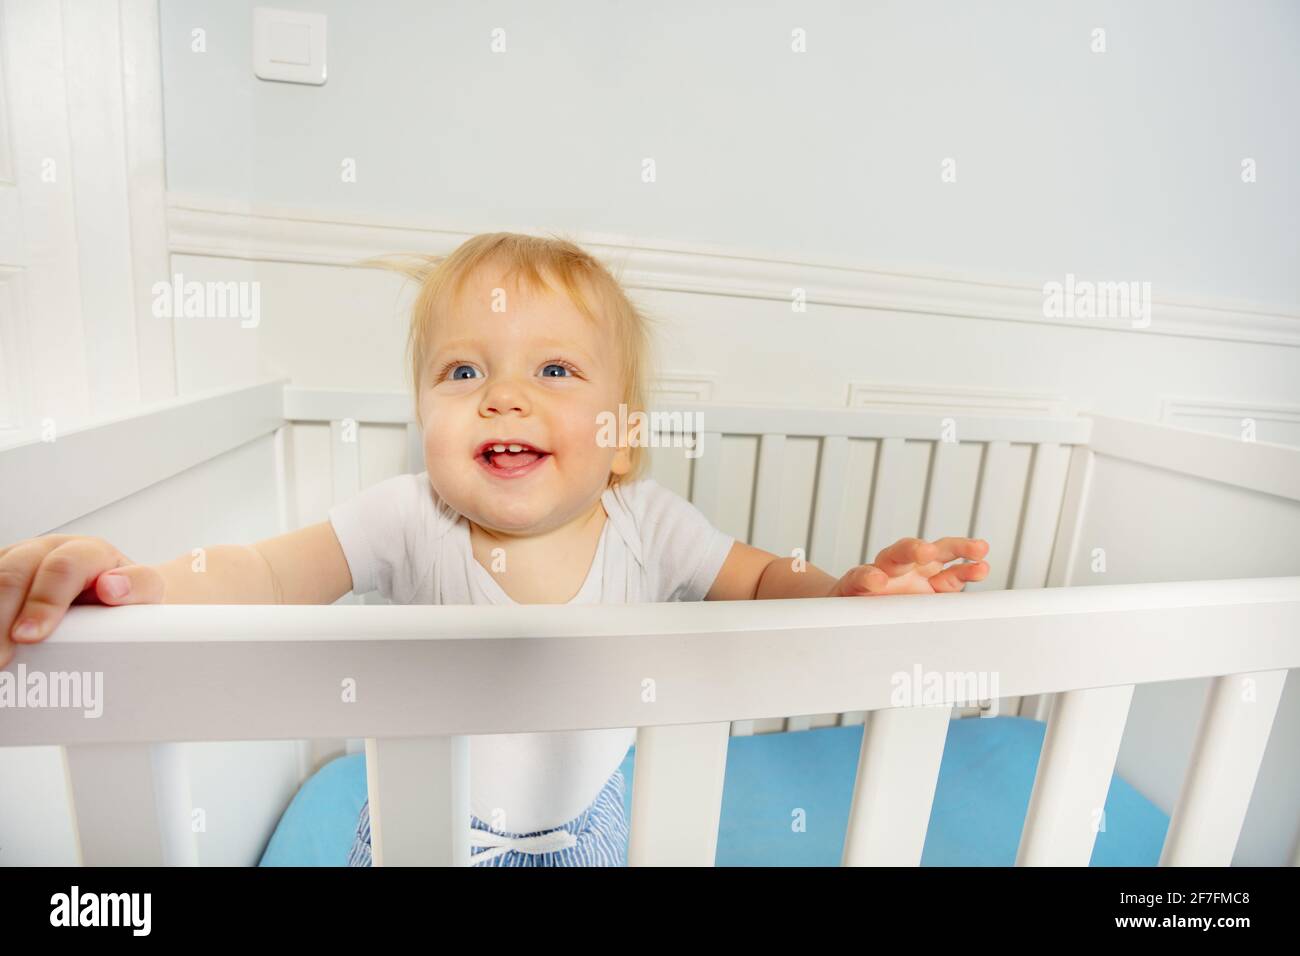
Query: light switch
{"points": [[291, 43], [289, 46]]}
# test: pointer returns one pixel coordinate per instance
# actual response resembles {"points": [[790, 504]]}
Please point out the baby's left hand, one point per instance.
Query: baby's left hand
{"points": [[913, 566]]}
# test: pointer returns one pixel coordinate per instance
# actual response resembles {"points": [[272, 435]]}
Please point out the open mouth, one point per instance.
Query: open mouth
{"points": [[510, 458]]}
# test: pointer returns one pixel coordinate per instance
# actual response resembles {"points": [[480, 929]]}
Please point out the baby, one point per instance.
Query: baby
{"points": [[519, 347]]}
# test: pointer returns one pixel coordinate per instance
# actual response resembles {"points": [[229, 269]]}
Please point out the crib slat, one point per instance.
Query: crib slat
{"points": [[1074, 775], [898, 769], [706, 476], [414, 449], [345, 458], [947, 486], [828, 513], [131, 804], [1074, 510], [995, 509], [767, 496], [419, 800], [884, 524], [677, 794], [1042, 508], [1234, 730], [285, 509]]}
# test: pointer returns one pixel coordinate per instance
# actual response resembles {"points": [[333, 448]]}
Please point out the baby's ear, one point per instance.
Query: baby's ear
{"points": [[622, 462]]}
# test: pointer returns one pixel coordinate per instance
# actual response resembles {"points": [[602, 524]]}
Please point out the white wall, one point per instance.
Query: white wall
{"points": [[1118, 165], [1123, 165]]}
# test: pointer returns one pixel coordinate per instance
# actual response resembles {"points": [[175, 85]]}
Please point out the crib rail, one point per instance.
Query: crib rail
{"points": [[679, 673]]}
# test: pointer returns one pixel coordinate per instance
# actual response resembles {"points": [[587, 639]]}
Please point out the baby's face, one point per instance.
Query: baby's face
{"points": [[536, 374]]}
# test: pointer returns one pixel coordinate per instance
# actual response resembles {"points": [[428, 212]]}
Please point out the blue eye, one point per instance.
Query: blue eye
{"points": [[459, 371], [455, 372]]}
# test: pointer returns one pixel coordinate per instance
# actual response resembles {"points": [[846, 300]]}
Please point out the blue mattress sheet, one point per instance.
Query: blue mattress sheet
{"points": [[980, 800]]}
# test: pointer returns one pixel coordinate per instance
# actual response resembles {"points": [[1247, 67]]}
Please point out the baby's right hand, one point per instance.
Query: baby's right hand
{"points": [[41, 577]]}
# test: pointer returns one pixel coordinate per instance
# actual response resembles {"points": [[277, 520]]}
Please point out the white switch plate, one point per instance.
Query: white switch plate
{"points": [[289, 46]]}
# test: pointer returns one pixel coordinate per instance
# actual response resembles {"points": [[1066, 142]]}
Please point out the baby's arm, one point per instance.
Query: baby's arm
{"points": [[909, 566], [41, 577], [303, 567]]}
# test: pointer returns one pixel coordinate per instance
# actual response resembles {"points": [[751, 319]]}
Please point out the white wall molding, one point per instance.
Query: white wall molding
{"points": [[948, 399], [671, 387], [146, 192], [15, 387], [6, 148], [1181, 411], [224, 229], [1191, 412]]}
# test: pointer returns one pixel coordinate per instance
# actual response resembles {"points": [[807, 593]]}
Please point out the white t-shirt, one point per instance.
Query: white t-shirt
{"points": [[402, 540]]}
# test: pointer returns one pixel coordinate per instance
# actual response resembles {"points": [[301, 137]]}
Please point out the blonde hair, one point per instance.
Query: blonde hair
{"points": [[542, 264]]}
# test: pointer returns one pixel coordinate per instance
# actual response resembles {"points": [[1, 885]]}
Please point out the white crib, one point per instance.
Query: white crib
{"points": [[838, 483]]}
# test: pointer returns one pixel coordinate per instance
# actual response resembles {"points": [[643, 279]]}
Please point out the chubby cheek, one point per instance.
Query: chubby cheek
{"points": [[576, 440], [443, 443]]}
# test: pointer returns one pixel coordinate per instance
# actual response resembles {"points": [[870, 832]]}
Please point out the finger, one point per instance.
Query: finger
{"points": [[64, 573], [864, 579], [950, 549], [49, 540], [955, 577], [17, 568], [903, 554], [130, 584]]}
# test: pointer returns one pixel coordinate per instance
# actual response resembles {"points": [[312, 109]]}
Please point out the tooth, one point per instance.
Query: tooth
{"points": [[516, 447], [498, 447]]}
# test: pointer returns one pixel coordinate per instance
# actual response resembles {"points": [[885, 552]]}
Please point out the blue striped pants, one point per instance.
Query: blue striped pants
{"points": [[597, 837]]}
